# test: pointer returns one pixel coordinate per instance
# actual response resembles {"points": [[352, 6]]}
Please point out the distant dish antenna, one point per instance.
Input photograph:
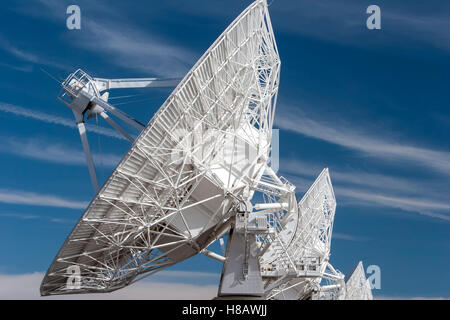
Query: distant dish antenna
{"points": [[198, 171], [357, 287]]}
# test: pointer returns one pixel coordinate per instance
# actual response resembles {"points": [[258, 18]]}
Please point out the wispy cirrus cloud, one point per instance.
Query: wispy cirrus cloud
{"points": [[48, 118], [424, 206], [354, 177], [26, 286], [26, 56], [26, 216], [38, 199], [355, 187], [52, 152], [344, 22], [131, 48], [364, 142], [21, 68], [29, 57], [109, 34], [348, 237], [23, 216]]}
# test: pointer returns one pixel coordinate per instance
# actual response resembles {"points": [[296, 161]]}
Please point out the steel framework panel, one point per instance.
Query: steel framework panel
{"points": [[357, 287], [295, 263], [175, 190]]}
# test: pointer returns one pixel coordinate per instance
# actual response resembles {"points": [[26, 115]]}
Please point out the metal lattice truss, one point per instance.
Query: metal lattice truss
{"points": [[357, 287], [175, 191], [296, 261], [199, 168], [354, 286], [295, 258]]}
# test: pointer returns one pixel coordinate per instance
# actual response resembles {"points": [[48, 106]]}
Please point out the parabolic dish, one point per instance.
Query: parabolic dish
{"points": [[302, 248], [357, 287], [171, 195]]}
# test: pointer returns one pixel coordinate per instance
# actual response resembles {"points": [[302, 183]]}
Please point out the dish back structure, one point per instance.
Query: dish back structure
{"points": [[198, 170], [176, 189]]}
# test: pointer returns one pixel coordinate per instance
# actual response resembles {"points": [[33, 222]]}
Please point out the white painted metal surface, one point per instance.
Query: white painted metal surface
{"points": [[357, 287], [199, 168], [295, 263], [175, 190]]}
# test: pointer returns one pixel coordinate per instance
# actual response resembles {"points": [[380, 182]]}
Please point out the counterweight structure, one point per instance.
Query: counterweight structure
{"points": [[199, 170]]}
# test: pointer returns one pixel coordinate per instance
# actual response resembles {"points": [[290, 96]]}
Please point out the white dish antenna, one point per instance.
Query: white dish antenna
{"points": [[357, 287], [199, 170], [296, 261]]}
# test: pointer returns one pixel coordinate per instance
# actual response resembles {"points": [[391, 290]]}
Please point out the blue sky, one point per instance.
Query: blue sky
{"points": [[372, 105]]}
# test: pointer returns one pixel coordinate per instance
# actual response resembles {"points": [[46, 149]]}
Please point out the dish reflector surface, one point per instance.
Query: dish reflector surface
{"points": [[302, 248], [174, 191], [357, 287]]}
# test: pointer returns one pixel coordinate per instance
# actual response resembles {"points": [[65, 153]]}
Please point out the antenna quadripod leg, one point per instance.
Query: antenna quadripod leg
{"points": [[241, 275]]}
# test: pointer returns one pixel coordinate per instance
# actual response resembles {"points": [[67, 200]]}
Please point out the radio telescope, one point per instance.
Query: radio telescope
{"points": [[199, 170], [357, 287]]}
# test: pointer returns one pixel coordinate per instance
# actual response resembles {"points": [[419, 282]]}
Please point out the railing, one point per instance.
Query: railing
{"points": [[75, 83]]}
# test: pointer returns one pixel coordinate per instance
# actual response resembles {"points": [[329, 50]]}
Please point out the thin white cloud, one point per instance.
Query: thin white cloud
{"points": [[48, 118], [131, 48], [20, 216], [342, 236], [37, 199], [109, 34], [59, 220], [344, 23], [369, 144], [25, 216], [26, 287], [368, 189], [52, 152], [187, 274], [423, 206], [353, 177], [27, 56], [21, 68]]}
